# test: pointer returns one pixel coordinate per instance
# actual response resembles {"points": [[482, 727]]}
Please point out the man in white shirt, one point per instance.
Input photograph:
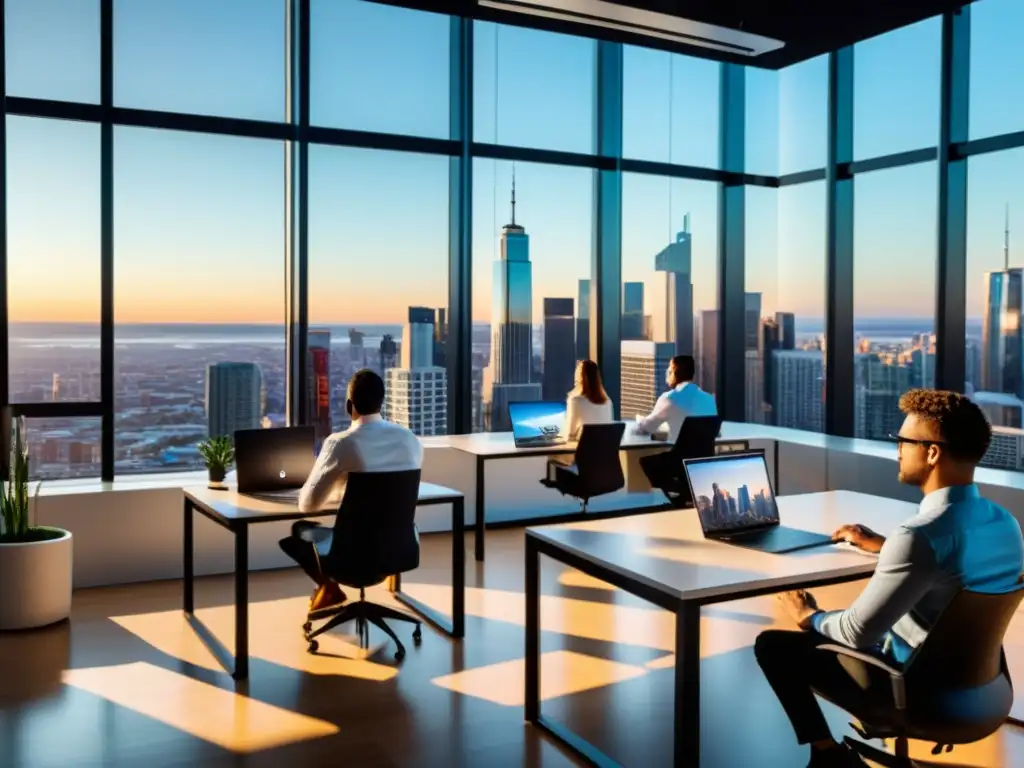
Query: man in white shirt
{"points": [[370, 444], [683, 399]]}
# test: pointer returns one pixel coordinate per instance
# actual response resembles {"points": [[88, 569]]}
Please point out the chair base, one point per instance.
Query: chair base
{"points": [[899, 759], [364, 613]]}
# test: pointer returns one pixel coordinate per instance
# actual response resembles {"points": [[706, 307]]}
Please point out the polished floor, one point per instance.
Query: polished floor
{"points": [[126, 682]]}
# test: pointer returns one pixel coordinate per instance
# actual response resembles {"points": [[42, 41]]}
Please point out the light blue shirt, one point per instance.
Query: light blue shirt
{"points": [[675, 405], [956, 540]]}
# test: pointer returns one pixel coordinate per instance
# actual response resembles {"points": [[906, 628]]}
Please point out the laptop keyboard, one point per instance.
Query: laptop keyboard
{"points": [[289, 494]]}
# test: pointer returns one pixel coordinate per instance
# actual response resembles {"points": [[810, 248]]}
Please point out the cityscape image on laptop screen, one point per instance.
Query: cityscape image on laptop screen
{"points": [[536, 422], [732, 493]]}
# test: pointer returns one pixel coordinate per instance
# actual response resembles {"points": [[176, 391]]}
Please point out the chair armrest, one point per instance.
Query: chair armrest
{"points": [[899, 692]]}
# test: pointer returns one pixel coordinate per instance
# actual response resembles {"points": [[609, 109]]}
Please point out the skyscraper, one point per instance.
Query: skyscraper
{"points": [[559, 342], [441, 338], [787, 329], [1002, 335], [417, 392], [675, 262], [583, 321], [319, 381], [771, 341], [644, 364], [234, 395], [388, 353], [707, 359], [356, 351], [752, 320], [797, 377], [632, 327], [511, 364]]}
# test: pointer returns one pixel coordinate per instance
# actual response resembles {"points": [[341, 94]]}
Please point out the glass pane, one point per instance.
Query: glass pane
{"points": [[761, 133], [53, 228], [198, 292], [225, 58], [527, 256], [997, 61], [379, 68], [53, 49], [670, 277], [670, 107], [533, 88], [378, 302], [994, 362], [895, 228], [896, 90], [803, 115], [60, 448]]}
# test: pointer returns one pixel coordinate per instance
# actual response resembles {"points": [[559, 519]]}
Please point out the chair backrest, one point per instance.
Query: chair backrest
{"points": [[964, 647], [375, 531], [597, 458], [697, 436]]}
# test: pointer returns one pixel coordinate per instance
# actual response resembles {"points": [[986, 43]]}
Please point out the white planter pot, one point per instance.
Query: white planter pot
{"points": [[35, 583]]}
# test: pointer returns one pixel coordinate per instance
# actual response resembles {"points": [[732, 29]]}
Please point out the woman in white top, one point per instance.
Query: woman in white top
{"points": [[588, 403]]}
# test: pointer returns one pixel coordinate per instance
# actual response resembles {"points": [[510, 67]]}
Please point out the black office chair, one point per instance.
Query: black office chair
{"points": [[596, 469], [374, 538], [696, 440], [955, 689]]}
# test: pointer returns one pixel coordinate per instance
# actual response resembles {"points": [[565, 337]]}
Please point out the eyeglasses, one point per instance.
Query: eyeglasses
{"points": [[900, 440]]}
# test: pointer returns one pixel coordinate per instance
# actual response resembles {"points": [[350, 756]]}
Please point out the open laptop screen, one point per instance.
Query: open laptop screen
{"points": [[732, 492], [537, 422]]}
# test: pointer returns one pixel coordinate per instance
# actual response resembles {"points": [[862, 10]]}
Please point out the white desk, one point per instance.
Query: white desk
{"points": [[487, 446], [236, 512], [664, 558]]}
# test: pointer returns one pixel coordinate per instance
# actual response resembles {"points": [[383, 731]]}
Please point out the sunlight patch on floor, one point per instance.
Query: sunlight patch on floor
{"points": [[275, 636], [563, 673], [220, 717]]}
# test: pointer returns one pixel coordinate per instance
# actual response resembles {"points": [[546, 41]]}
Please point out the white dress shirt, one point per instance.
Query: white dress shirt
{"points": [[675, 405], [369, 445], [579, 411]]}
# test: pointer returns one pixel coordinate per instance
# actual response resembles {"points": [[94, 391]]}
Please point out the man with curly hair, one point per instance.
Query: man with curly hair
{"points": [[956, 540]]}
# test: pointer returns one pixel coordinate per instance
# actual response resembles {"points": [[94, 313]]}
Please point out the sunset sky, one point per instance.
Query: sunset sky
{"points": [[199, 219]]}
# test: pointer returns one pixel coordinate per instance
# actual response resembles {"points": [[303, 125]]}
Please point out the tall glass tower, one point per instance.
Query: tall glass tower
{"points": [[1002, 367], [675, 261], [511, 366]]}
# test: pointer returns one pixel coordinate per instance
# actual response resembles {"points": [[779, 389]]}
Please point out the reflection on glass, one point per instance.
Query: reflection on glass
{"points": [[198, 287], [896, 90], [894, 293], [63, 447], [531, 245], [669, 272], [994, 347], [53, 49], [53, 229], [378, 283]]}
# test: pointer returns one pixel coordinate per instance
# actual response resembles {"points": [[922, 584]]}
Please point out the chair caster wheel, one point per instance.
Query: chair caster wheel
{"points": [[307, 627], [400, 654], [314, 646], [417, 636]]}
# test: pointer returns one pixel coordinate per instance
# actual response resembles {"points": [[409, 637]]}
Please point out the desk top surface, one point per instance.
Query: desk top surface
{"points": [[503, 444], [668, 552], [231, 505]]}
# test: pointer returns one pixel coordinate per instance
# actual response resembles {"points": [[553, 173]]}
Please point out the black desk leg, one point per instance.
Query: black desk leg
{"points": [[687, 685], [532, 631], [188, 567], [459, 567], [478, 522], [241, 602]]}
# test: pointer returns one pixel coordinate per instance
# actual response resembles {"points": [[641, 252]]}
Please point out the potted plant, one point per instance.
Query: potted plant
{"points": [[218, 453], [35, 561]]}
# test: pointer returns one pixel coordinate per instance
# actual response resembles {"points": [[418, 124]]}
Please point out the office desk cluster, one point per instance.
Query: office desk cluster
{"points": [[661, 557]]}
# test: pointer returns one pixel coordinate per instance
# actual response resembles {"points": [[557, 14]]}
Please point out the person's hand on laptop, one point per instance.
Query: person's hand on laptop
{"points": [[799, 606], [861, 537]]}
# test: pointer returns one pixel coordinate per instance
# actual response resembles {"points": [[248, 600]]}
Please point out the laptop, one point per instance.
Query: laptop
{"points": [[273, 464], [736, 504], [537, 424]]}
